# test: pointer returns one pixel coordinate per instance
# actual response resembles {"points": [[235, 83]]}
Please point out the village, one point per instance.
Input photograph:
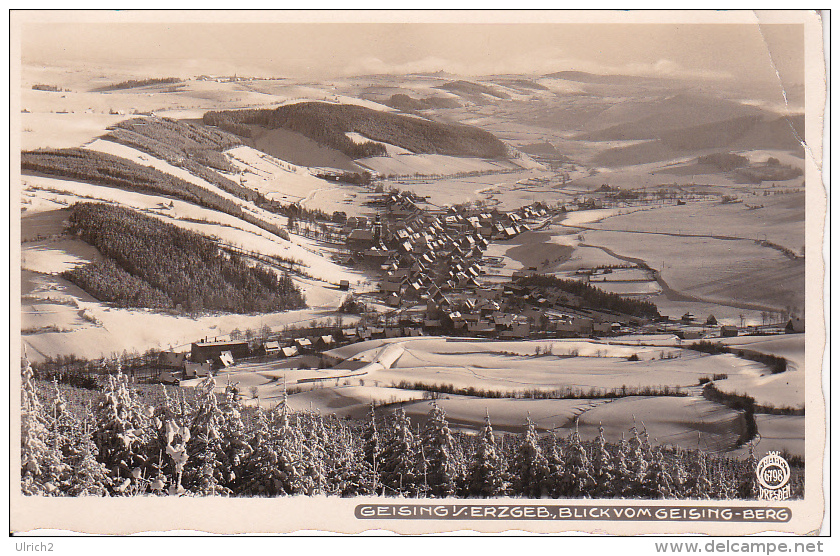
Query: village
{"points": [[433, 280]]}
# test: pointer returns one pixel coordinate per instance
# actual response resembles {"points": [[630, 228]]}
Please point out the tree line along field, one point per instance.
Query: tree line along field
{"points": [[154, 264], [123, 442], [329, 123], [593, 296], [135, 83]]}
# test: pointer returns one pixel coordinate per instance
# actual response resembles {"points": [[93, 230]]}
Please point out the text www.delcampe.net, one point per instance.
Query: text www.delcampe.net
{"points": [[746, 547]]}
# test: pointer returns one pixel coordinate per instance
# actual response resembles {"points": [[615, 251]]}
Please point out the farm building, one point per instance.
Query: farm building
{"points": [[690, 334], [602, 328], [728, 331], [290, 351], [210, 351]]}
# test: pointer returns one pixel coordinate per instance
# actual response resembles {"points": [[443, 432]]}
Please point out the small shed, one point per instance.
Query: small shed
{"points": [[795, 325], [226, 358], [289, 351]]}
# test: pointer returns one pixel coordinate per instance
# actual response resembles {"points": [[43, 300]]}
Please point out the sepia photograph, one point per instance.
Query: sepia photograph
{"points": [[417, 271]]}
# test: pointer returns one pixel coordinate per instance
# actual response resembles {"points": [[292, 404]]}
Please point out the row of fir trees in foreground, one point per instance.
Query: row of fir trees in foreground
{"points": [[208, 444]]}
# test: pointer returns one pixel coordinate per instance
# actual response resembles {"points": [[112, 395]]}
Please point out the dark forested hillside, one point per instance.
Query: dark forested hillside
{"points": [[198, 149], [329, 123], [105, 169], [150, 263]]}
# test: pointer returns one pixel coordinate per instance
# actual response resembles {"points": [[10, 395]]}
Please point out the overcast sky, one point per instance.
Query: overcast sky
{"points": [[714, 51]]}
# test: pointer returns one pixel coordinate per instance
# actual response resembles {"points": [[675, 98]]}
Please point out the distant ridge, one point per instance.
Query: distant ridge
{"points": [[598, 79]]}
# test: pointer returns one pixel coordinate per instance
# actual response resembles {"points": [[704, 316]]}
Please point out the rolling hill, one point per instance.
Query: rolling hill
{"points": [[743, 133], [471, 90], [329, 124], [648, 118]]}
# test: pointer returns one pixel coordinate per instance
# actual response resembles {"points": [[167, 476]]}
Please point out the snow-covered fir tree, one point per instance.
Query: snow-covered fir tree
{"points": [[530, 468], [577, 481], [438, 457], [398, 461], [42, 467], [485, 475], [604, 468]]}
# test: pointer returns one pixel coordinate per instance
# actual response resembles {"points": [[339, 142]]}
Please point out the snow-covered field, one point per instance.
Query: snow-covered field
{"points": [[785, 389], [350, 388], [727, 272], [392, 150], [506, 415], [576, 365], [431, 164], [689, 422], [781, 219], [777, 433]]}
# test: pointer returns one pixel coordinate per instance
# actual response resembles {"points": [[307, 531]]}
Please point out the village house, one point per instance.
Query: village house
{"points": [[271, 348], [325, 342], [195, 370], [303, 344], [360, 239], [173, 360], [289, 351]]}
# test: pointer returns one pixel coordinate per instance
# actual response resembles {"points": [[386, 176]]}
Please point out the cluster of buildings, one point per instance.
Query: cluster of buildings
{"points": [[424, 252], [431, 260]]}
